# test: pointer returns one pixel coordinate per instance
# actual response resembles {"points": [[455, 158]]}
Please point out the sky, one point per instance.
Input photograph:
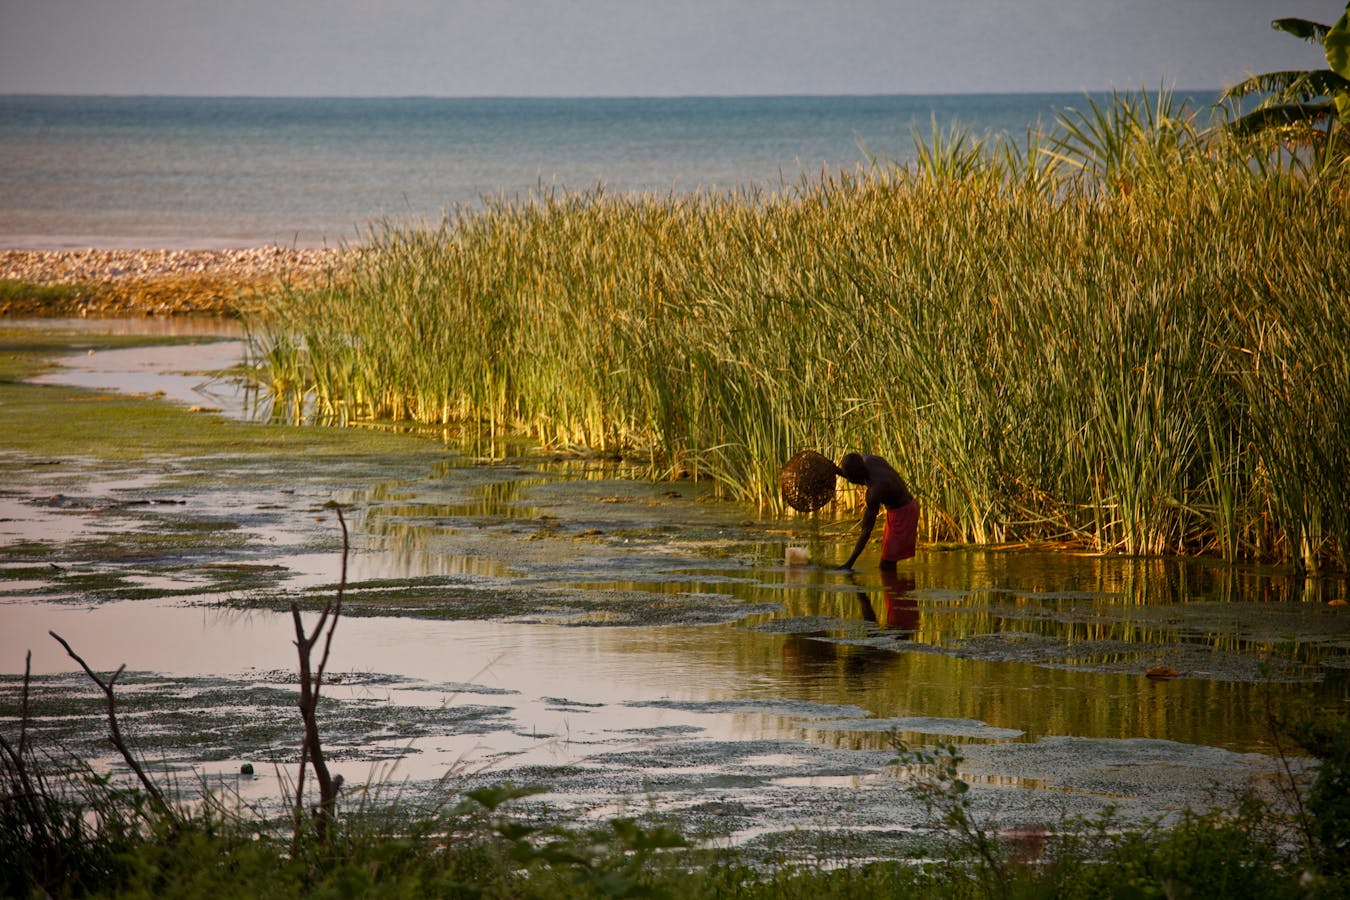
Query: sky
{"points": [[641, 47]]}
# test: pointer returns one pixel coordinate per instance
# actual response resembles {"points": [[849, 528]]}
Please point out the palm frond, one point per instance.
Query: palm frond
{"points": [[1285, 114], [1312, 32], [1337, 45], [1290, 85]]}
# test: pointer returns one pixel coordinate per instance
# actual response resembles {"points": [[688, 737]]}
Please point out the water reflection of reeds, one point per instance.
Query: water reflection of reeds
{"points": [[1035, 700], [1225, 627]]}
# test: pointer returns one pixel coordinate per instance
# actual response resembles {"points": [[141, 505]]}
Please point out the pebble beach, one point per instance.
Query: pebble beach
{"points": [[93, 266], [152, 281]]}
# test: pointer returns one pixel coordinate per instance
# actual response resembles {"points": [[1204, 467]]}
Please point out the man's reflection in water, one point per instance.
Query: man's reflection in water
{"points": [[899, 609], [813, 655]]}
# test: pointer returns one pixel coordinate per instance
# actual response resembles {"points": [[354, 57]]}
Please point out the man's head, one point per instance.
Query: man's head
{"points": [[853, 469]]}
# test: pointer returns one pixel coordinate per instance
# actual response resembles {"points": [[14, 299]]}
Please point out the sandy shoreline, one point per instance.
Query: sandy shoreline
{"points": [[152, 281]]}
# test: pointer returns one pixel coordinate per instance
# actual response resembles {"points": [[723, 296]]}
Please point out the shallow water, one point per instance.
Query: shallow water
{"points": [[553, 619], [182, 373]]}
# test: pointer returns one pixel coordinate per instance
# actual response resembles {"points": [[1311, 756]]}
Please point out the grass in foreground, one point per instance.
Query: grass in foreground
{"points": [[66, 831]]}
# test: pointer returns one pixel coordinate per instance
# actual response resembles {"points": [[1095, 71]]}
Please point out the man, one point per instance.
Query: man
{"points": [[885, 488]]}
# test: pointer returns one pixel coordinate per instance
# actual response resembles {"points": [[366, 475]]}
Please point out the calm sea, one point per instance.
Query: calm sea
{"points": [[221, 172]]}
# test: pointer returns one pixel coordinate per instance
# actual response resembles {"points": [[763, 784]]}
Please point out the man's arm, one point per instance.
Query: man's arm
{"points": [[869, 520]]}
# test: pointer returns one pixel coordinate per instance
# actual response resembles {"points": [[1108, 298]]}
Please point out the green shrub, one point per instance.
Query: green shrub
{"points": [[1327, 805]]}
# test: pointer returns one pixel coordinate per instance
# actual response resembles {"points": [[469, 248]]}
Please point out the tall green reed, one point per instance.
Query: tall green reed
{"points": [[1142, 351]]}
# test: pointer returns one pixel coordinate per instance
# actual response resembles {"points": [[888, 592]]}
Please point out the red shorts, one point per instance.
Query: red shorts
{"points": [[902, 528]]}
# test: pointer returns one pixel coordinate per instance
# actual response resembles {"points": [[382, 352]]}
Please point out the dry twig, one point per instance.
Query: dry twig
{"points": [[115, 731], [311, 679]]}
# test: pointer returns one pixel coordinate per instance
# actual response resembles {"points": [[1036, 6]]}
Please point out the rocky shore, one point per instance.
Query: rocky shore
{"points": [[152, 282]]}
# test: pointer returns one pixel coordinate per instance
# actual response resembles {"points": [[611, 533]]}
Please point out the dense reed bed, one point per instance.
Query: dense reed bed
{"points": [[1124, 333]]}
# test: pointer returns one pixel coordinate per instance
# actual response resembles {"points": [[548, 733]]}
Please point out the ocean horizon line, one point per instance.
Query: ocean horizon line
{"points": [[825, 95]]}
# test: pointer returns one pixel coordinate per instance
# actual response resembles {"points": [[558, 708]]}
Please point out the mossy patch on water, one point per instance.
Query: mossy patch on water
{"points": [[477, 598], [129, 550], [177, 539], [26, 573], [182, 722]]}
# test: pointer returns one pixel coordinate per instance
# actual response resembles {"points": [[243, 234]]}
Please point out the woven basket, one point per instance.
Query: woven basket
{"points": [[807, 481]]}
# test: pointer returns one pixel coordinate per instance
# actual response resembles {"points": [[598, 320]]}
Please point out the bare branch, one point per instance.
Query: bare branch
{"points": [[342, 586], [311, 684], [115, 730]]}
